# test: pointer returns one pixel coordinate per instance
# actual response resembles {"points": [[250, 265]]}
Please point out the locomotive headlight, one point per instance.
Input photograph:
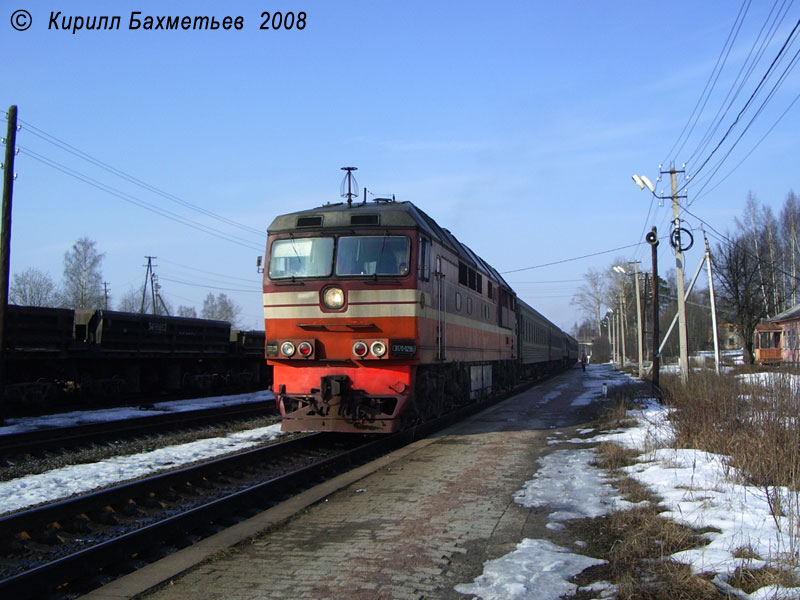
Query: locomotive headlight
{"points": [[287, 348], [360, 349], [305, 349], [378, 348], [333, 297]]}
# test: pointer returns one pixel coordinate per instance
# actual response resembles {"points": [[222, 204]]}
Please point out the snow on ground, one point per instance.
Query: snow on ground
{"points": [[80, 417], [695, 489], [693, 485], [61, 483]]}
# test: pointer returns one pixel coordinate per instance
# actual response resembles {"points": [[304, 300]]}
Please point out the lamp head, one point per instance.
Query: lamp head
{"points": [[643, 182]]}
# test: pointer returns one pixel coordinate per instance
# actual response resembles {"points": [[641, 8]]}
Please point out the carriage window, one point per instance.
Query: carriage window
{"points": [[373, 255], [303, 257]]}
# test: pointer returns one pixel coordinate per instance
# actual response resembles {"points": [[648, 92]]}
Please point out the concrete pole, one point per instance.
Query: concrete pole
{"points": [[682, 335], [713, 306], [638, 318], [621, 341], [654, 258], [622, 328], [616, 337], [612, 325]]}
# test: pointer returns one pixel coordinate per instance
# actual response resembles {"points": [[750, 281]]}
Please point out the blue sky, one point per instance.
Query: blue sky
{"points": [[516, 125]]}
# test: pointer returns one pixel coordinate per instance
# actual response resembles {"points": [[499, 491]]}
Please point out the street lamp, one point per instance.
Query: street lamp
{"points": [[611, 337], [641, 181], [621, 269]]}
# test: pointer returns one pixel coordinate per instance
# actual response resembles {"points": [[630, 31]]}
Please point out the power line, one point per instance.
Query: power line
{"points": [[196, 270], [772, 92], [752, 97], [227, 289], [745, 71], [136, 201], [134, 180], [558, 262], [705, 95], [700, 194]]}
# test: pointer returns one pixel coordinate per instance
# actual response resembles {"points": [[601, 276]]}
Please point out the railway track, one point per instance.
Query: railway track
{"points": [[47, 549], [62, 438], [67, 548]]}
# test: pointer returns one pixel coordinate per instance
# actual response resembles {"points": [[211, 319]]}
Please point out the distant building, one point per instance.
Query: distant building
{"points": [[729, 336], [777, 340]]}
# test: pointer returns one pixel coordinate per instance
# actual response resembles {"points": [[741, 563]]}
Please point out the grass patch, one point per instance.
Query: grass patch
{"points": [[627, 537], [637, 544], [667, 580], [612, 457], [750, 580]]}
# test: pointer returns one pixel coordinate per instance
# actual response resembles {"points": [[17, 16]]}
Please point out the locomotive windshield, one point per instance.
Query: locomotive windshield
{"points": [[304, 257], [373, 255]]}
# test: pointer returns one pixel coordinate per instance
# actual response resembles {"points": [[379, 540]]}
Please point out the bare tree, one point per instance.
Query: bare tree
{"points": [[187, 311], [742, 287], [220, 308], [33, 288], [132, 302], [591, 296], [83, 276], [790, 232]]}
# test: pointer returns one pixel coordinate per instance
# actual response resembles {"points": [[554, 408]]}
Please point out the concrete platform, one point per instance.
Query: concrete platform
{"points": [[410, 525]]}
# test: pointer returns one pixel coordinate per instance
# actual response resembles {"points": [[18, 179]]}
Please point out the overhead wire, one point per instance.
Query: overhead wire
{"points": [[566, 260], [134, 180], [750, 100], [746, 156], [196, 270], [713, 77], [136, 201], [766, 34], [745, 71], [771, 94]]}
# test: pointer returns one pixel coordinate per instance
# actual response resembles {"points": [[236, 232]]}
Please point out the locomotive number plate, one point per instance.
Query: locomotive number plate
{"points": [[403, 348]]}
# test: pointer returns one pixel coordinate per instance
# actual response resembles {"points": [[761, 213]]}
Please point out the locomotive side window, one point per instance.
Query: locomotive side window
{"points": [[373, 255], [304, 257], [424, 269]]}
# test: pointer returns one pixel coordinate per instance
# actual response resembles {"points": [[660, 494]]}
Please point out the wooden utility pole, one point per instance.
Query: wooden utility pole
{"points": [[5, 239]]}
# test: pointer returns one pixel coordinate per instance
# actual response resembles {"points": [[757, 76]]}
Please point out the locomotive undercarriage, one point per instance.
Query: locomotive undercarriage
{"points": [[339, 405], [335, 405]]}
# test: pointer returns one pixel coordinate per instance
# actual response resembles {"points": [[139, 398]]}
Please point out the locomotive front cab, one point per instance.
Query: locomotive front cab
{"points": [[341, 307]]}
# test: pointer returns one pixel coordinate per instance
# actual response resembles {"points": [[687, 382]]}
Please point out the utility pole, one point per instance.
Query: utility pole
{"points": [[638, 317], [713, 305], [105, 294], [682, 336], [612, 321], [622, 328], [147, 277], [5, 238], [154, 290]]}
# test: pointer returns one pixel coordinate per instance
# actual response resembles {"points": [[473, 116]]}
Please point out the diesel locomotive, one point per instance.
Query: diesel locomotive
{"points": [[377, 318]]}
